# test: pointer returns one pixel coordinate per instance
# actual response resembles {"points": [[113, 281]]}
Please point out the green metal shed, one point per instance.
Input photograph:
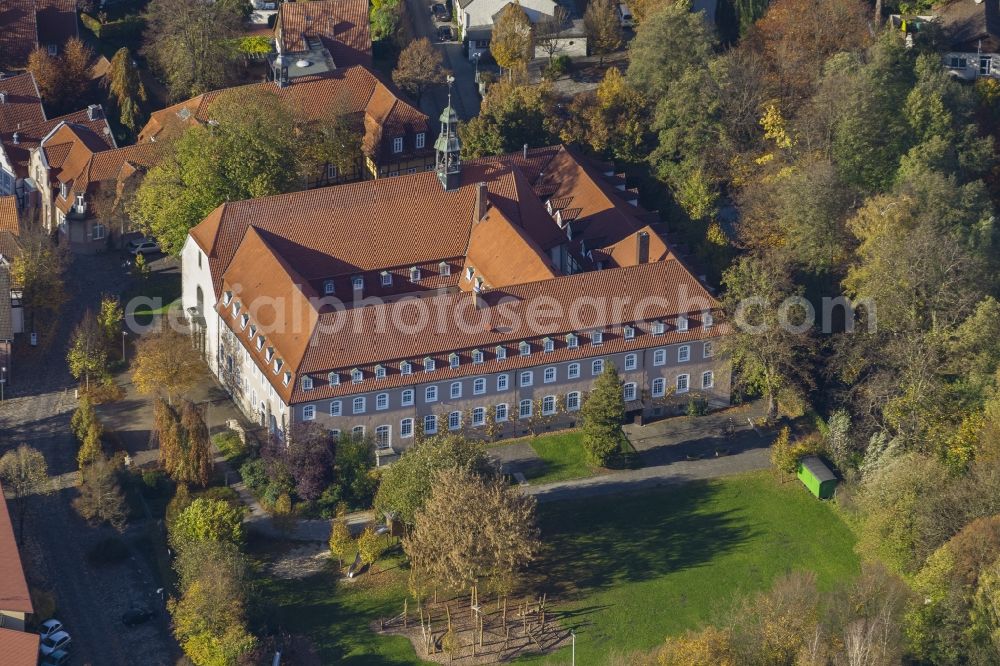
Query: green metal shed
{"points": [[817, 477]]}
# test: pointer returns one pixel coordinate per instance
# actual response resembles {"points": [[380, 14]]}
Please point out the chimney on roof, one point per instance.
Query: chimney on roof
{"points": [[482, 201], [642, 248], [93, 112]]}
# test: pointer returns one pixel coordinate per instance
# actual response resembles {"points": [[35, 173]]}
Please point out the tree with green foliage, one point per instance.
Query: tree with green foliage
{"points": [[91, 448], [384, 17], [164, 364], [341, 543], [206, 520], [602, 413], [671, 41], [110, 318], [195, 462], [101, 499], [512, 114], [407, 483], [370, 546], [604, 30], [612, 121], [511, 41], [88, 352], [39, 268], [83, 416], [354, 463], [126, 88]]}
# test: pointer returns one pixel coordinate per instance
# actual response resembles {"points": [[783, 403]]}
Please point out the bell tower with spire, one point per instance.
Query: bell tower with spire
{"points": [[448, 149]]}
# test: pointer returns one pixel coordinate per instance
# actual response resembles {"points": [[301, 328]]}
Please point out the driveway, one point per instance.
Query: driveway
{"points": [[89, 600]]}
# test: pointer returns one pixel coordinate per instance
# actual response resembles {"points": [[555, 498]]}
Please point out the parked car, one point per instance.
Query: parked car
{"points": [[444, 33], [440, 12], [143, 246], [135, 616], [60, 640], [56, 658], [625, 16], [50, 627]]}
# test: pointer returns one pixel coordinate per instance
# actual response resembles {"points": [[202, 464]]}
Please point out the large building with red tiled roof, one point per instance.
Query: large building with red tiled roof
{"points": [[496, 289], [29, 24], [328, 34], [395, 134], [15, 601]]}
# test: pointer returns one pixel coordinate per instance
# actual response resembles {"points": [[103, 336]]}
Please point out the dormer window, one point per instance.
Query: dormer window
{"points": [[236, 307], [333, 378], [227, 298], [628, 332], [429, 364], [572, 341], [62, 190], [659, 328], [406, 368], [386, 278], [469, 272], [414, 274], [524, 348], [421, 140], [329, 287], [444, 269], [397, 144], [307, 383], [260, 342], [244, 320], [253, 331], [477, 356], [269, 354], [357, 376], [597, 338], [708, 321], [549, 345], [501, 352], [358, 282], [287, 379], [453, 360], [379, 372], [80, 208], [682, 323], [277, 365]]}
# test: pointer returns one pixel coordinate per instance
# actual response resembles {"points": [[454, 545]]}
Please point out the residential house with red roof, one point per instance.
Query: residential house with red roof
{"points": [[323, 34], [29, 24], [15, 601], [11, 313], [494, 290]]}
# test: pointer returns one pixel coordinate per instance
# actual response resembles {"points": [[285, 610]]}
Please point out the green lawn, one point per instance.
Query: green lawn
{"points": [[626, 570], [562, 456]]}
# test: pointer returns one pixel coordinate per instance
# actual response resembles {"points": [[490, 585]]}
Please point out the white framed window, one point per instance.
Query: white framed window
{"points": [[501, 352], [597, 338], [336, 408], [386, 277], [708, 320], [477, 356], [429, 364], [331, 171], [329, 287], [98, 231], [628, 333], [382, 401], [503, 381], [597, 367], [307, 383], [358, 282], [414, 274], [334, 435], [525, 409], [707, 379], [309, 413], [358, 432], [406, 397], [379, 372], [631, 361], [660, 357], [708, 350], [500, 412], [527, 378], [397, 144], [359, 406], [682, 323], [549, 375], [572, 401], [431, 394], [572, 341], [260, 345], [469, 272], [357, 376], [383, 437], [479, 386], [629, 391], [454, 420], [659, 387], [524, 348], [682, 383], [244, 320], [406, 428], [573, 371], [684, 353], [478, 417], [406, 368], [430, 424], [453, 361], [421, 140], [456, 390], [659, 328], [549, 345], [444, 269], [549, 405]]}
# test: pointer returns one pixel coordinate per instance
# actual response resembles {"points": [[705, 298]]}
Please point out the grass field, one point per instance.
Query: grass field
{"points": [[627, 570], [562, 457]]}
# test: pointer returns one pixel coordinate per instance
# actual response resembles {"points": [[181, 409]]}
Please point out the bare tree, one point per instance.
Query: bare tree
{"points": [[420, 67], [101, 499], [24, 473], [549, 32]]}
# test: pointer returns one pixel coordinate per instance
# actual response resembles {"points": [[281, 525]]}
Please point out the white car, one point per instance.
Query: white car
{"points": [[50, 627], [143, 246], [625, 16], [60, 640]]}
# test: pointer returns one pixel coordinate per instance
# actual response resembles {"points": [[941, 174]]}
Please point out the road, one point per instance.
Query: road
{"points": [[90, 600]]}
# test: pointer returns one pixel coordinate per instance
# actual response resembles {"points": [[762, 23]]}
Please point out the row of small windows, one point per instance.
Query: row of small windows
{"points": [[275, 362], [386, 278], [406, 368], [419, 142], [629, 391]]}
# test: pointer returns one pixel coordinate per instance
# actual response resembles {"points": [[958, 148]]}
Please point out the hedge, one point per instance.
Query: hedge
{"points": [[128, 26]]}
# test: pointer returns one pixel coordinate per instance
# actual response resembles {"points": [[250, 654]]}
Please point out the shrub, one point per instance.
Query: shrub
{"points": [[229, 444], [154, 480], [110, 550], [559, 66], [123, 27], [254, 475], [222, 493], [697, 406]]}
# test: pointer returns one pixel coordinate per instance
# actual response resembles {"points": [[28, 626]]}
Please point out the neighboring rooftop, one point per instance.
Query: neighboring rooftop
{"points": [[10, 230], [18, 648], [341, 26], [28, 24], [971, 26], [13, 586]]}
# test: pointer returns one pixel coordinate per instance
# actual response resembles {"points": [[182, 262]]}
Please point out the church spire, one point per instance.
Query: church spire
{"points": [[448, 148]]}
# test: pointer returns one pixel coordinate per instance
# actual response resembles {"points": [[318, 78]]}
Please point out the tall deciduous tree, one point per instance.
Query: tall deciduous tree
{"points": [[24, 473], [45, 68], [101, 499], [39, 269], [549, 32], [602, 413], [669, 42], [126, 87], [612, 121], [420, 67], [511, 41], [88, 351], [75, 65], [196, 461], [604, 30], [165, 365], [512, 114], [206, 520]]}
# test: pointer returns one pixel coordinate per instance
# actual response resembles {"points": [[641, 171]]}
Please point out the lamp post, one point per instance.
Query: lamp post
{"points": [[572, 635], [124, 335], [476, 56], [3, 380]]}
